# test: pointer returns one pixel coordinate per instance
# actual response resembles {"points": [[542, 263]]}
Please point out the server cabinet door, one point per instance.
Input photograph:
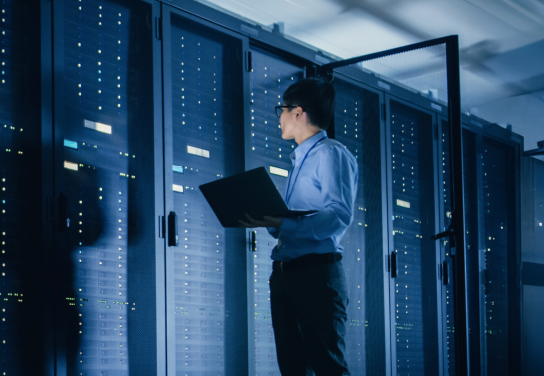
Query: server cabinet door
{"points": [[21, 283], [359, 126], [492, 256], [270, 76], [413, 255], [108, 182], [204, 141]]}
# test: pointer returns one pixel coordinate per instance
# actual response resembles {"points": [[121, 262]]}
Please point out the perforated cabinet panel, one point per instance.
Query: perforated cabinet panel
{"points": [[270, 77], [413, 224], [107, 252], [490, 251], [349, 131], [357, 126], [20, 190], [209, 290]]}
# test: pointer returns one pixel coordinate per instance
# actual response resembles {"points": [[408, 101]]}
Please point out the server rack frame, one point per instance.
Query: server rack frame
{"points": [[261, 36], [483, 128], [269, 40], [391, 296], [167, 10], [53, 62], [48, 193], [386, 228]]}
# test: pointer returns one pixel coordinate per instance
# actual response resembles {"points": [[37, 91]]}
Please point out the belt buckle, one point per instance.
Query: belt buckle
{"points": [[281, 266]]}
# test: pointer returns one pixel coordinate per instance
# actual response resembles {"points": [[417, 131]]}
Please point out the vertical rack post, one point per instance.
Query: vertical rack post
{"points": [[459, 273]]}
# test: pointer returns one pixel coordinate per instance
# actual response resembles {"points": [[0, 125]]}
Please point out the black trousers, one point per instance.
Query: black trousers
{"points": [[309, 320]]}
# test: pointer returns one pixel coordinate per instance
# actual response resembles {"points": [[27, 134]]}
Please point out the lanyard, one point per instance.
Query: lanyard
{"points": [[298, 172]]}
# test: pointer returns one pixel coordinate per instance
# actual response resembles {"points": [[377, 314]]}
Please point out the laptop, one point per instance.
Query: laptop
{"points": [[252, 192]]}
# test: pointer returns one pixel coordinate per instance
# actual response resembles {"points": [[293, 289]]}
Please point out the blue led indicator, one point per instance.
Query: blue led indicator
{"points": [[178, 169], [70, 144]]}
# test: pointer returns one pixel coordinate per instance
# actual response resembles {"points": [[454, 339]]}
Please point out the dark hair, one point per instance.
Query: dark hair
{"points": [[316, 99]]}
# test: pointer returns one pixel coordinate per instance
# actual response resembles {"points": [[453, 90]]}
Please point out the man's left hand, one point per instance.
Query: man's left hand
{"points": [[265, 222]]}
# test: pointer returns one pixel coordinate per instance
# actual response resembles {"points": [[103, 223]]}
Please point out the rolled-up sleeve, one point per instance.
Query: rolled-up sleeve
{"points": [[337, 175]]}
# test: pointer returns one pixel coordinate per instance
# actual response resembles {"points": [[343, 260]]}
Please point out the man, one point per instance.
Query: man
{"points": [[308, 291]]}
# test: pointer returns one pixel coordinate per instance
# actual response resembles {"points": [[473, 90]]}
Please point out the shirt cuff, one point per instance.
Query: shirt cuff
{"points": [[288, 224]]}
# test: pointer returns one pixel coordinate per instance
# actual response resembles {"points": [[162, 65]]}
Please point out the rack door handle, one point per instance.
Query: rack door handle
{"points": [[173, 238]]}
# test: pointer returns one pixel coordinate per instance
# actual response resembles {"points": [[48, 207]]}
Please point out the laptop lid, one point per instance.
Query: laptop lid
{"points": [[252, 192]]}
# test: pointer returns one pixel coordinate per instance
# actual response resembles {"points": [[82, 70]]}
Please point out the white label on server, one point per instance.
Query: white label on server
{"points": [[404, 204], [70, 165], [178, 188], [197, 151], [104, 128], [278, 171]]}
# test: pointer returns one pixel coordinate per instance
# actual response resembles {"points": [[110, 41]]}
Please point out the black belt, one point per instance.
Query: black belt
{"points": [[305, 261]]}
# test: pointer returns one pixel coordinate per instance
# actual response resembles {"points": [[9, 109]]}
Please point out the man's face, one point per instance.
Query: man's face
{"points": [[289, 122]]}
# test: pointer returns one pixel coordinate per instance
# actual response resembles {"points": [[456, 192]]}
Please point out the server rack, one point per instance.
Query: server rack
{"points": [[154, 268], [411, 176], [492, 157], [205, 109], [107, 188], [486, 300], [21, 290], [270, 76], [360, 126]]}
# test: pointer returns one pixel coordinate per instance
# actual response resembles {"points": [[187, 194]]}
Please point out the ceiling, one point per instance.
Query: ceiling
{"points": [[501, 44]]}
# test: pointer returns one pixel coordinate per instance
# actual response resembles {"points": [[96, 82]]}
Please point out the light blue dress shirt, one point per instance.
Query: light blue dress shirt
{"points": [[327, 182]]}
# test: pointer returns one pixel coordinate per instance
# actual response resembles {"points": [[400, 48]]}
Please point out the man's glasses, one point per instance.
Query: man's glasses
{"points": [[279, 109]]}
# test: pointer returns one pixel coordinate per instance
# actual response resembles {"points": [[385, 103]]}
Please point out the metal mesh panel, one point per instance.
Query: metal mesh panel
{"points": [[208, 269], [107, 285], [20, 191], [414, 289], [357, 126], [489, 177]]}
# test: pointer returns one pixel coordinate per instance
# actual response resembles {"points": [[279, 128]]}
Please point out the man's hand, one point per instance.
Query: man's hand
{"points": [[265, 222]]}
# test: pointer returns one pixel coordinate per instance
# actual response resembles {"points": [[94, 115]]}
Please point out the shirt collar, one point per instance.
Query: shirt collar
{"points": [[303, 148]]}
